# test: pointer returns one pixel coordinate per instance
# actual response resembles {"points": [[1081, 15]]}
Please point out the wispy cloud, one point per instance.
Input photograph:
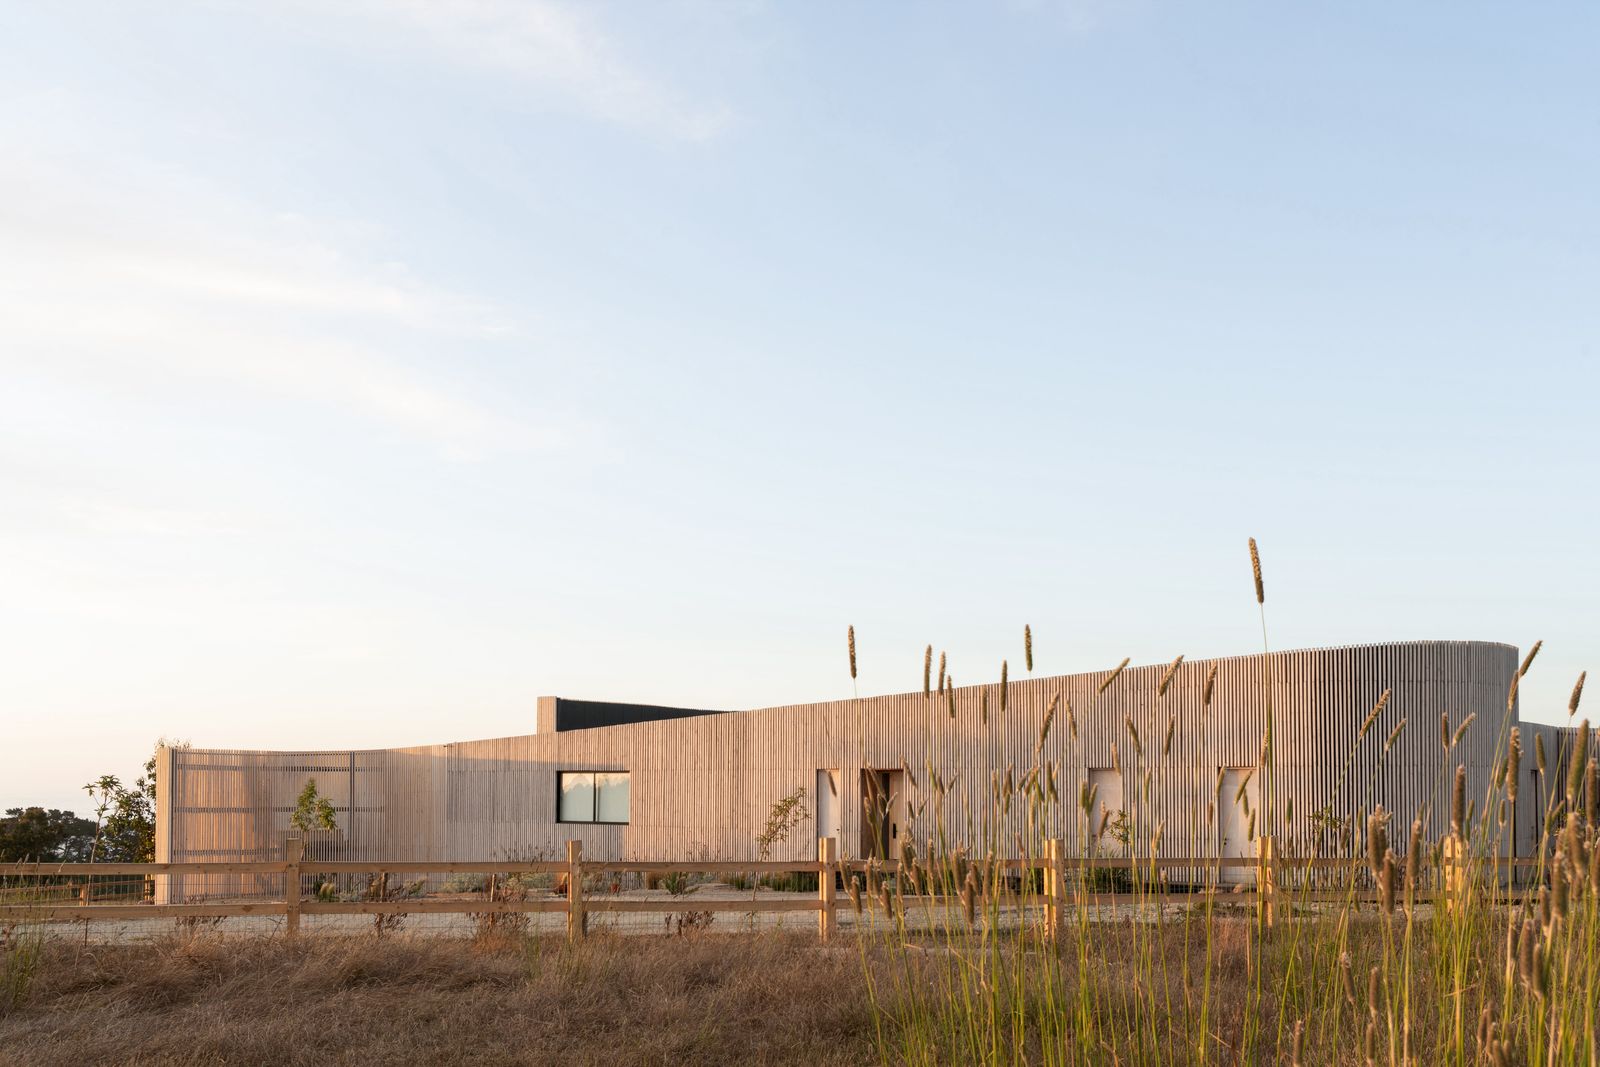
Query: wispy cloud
{"points": [[118, 267], [558, 46]]}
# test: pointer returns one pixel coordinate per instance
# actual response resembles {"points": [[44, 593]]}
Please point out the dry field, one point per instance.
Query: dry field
{"points": [[705, 998], [422, 1000]]}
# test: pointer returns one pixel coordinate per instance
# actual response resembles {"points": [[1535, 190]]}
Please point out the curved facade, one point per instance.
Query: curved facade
{"points": [[955, 768]]}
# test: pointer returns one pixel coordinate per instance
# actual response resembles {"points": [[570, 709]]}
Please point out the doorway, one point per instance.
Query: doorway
{"points": [[882, 812], [830, 804], [1237, 799], [1108, 822]]}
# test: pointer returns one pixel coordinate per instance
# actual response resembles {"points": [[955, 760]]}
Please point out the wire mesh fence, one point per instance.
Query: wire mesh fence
{"points": [[495, 899]]}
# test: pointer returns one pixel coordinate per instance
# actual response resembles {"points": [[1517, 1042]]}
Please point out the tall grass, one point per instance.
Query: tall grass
{"points": [[1394, 950]]}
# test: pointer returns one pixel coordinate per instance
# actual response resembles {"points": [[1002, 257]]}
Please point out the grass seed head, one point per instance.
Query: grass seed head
{"points": [[1211, 683], [1049, 717], [1377, 840], [1578, 764], [1113, 675], [1558, 885], [1458, 803], [1166, 678], [1255, 570], [1513, 763], [1027, 646], [1003, 684], [1538, 753], [1461, 730], [927, 673], [1388, 883], [852, 642], [1372, 716], [1577, 695], [941, 669], [1528, 661], [1525, 941], [1394, 735]]}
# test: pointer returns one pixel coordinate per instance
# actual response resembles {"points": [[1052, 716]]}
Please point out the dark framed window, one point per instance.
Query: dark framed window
{"points": [[592, 796]]}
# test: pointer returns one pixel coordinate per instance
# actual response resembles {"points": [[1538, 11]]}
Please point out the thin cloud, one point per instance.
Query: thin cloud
{"points": [[112, 268], [537, 42]]}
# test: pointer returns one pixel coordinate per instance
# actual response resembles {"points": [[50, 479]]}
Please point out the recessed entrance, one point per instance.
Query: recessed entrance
{"points": [[882, 812]]}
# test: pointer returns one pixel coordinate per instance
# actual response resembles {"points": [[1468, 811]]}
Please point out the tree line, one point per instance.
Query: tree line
{"points": [[122, 830]]}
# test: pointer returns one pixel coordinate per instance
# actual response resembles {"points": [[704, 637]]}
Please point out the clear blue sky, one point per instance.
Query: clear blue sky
{"points": [[367, 375]]}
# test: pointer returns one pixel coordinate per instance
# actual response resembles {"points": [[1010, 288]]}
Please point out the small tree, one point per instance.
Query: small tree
{"points": [[312, 811], [784, 817], [125, 818]]}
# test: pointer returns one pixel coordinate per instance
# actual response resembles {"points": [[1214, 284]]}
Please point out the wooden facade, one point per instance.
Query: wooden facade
{"points": [[970, 767]]}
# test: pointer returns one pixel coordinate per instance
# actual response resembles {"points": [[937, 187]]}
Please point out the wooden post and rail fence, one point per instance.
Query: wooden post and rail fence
{"points": [[1065, 882]]}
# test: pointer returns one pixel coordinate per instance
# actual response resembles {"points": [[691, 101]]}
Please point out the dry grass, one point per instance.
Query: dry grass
{"points": [[328, 1000]]}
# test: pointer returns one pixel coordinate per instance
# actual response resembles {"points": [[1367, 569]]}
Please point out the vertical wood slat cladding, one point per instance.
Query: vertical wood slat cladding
{"points": [[702, 786]]}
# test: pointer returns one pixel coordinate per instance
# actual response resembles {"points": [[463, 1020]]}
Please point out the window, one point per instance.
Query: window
{"points": [[592, 796]]}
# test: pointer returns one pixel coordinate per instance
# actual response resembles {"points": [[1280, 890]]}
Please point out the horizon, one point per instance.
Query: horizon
{"points": [[369, 374]]}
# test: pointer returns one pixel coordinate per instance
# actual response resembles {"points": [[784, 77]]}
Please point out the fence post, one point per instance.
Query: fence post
{"points": [[1453, 858], [827, 856], [1053, 889], [577, 918], [294, 849], [1267, 877]]}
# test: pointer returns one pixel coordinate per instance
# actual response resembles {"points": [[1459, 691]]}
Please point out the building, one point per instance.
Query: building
{"points": [[1176, 758]]}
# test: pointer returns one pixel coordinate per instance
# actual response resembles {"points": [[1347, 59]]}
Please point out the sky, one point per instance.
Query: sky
{"points": [[370, 369]]}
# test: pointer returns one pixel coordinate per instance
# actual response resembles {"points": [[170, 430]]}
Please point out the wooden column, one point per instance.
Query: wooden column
{"points": [[828, 857], [577, 918], [294, 850]]}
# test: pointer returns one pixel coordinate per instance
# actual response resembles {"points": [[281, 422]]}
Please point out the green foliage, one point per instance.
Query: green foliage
{"points": [[125, 816], [312, 811], [44, 835], [785, 816]]}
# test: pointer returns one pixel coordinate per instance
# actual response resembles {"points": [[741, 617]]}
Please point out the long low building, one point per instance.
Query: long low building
{"points": [[1168, 755]]}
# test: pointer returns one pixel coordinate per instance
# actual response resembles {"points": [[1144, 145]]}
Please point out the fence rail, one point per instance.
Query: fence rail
{"points": [[1055, 892]]}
